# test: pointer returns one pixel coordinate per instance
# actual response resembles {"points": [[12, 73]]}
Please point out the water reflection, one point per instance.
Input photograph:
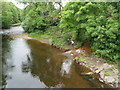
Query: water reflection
{"points": [[32, 64], [46, 63], [37, 65], [12, 30], [66, 66], [15, 56]]}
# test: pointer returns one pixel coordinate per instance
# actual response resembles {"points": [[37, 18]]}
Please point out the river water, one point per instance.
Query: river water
{"points": [[32, 64]]}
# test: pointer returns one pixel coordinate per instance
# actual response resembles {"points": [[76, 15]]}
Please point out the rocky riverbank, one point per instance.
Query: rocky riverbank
{"points": [[107, 73]]}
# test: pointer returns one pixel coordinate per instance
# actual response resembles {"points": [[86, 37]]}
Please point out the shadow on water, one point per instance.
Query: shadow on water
{"points": [[32, 64]]}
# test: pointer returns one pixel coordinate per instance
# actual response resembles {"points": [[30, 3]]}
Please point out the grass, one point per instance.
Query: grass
{"points": [[39, 35]]}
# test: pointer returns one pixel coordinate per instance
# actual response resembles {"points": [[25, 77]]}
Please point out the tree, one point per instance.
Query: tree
{"points": [[39, 16], [10, 14], [96, 23]]}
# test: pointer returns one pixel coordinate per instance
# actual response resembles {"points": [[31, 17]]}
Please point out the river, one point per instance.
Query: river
{"points": [[32, 64]]}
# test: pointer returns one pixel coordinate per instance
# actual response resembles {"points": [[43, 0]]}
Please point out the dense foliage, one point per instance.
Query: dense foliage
{"points": [[93, 22], [39, 16], [96, 23], [10, 14]]}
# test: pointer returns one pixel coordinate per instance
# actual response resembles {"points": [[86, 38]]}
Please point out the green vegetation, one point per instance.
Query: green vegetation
{"points": [[10, 14], [108, 73], [116, 67], [96, 23], [39, 16], [39, 35], [93, 22], [81, 58]]}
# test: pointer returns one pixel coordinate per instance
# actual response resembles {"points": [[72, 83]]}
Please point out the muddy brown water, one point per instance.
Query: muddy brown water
{"points": [[32, 64]]}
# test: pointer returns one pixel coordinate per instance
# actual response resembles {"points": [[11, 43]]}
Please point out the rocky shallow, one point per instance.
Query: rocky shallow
{"points": [[107, 73]]}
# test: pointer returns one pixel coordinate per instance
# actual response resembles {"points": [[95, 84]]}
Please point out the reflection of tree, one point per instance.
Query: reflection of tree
{"points": [[0, 61], [47, 71], [46, 64], [26, 65], [6, 67]]}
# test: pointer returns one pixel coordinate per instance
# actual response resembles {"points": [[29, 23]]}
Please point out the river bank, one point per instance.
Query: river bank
{"points": [[99, 68], [105, 72], [16, 24]]}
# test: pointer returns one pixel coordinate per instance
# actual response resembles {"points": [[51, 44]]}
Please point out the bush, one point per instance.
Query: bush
{"points": [[96, 23]]}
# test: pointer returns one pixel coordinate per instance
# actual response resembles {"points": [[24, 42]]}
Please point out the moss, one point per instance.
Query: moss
{"points": [[98, 66], [81, 58], [88, 63], [107, 73]]}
